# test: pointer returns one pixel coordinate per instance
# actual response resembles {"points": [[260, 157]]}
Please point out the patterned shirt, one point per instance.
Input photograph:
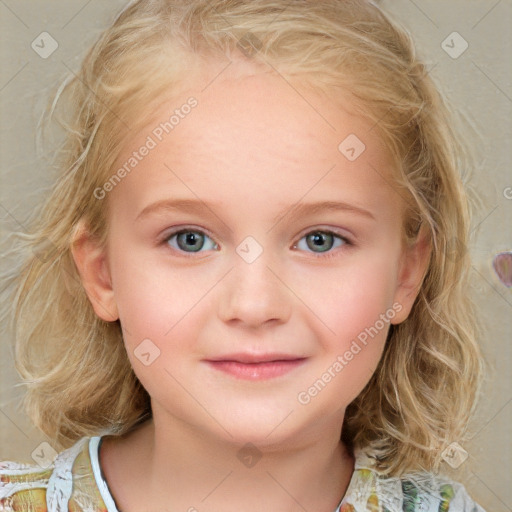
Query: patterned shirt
{"points": [[74, 482]]}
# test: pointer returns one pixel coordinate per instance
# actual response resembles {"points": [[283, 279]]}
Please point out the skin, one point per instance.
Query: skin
{"points": [[252, 148]]}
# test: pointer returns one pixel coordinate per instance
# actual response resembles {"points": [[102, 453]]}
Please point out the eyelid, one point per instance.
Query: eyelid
{"points": [[323, 229], [326, 229], [326, 255], [347, 241], [178, 229]]}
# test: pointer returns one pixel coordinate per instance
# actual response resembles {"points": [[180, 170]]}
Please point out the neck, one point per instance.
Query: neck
{"points": [[187, 470]]}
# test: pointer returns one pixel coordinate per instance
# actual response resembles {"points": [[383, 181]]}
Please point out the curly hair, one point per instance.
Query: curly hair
{"points": [[74, 365]]}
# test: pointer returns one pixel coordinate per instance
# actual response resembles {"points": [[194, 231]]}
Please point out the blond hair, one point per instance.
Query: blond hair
{"points": [[78, 377]]}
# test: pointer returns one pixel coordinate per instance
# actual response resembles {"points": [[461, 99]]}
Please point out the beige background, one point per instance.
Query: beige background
{"points": [[478, 82]]}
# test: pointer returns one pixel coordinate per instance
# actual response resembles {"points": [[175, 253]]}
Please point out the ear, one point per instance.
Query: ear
{"points": [[413, 267], [92, 264]]}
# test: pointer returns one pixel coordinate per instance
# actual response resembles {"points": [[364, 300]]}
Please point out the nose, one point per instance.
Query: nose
{"points": [[255, 294]]}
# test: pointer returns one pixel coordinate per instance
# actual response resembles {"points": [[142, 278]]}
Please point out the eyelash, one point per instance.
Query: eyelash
{"points": [[326, 255]]}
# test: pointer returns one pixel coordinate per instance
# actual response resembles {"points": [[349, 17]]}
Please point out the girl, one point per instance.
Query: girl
{"points": [[243, 292]]}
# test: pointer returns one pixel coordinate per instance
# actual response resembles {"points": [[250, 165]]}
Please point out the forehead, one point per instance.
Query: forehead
{"points": [[260, 107], [257, 133]]}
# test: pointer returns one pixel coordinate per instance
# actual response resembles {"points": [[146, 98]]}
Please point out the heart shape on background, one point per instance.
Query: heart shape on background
{"points": [[502, 264]]}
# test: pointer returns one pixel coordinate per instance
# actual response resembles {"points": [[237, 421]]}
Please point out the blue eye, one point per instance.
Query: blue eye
{"points": [[189, 240], [322, 241], [193, 241]]}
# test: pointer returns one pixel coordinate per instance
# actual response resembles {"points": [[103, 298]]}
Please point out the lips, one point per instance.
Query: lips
{"points": [[256, 358], [256, 366]]}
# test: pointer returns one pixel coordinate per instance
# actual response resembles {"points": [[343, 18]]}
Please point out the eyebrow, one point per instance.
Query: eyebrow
{"points": [[197, 206]]}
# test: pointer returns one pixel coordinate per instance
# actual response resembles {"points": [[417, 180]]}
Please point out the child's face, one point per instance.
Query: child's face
{"points": [[247, 283]]}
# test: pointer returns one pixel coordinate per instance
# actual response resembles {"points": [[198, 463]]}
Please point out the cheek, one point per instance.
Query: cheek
{"points": [[355, 296], [162, 304], [357, 307], [351, 355], [150, 302]]}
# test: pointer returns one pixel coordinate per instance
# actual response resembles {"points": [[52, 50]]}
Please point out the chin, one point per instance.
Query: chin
{"points": [[263, 430]]}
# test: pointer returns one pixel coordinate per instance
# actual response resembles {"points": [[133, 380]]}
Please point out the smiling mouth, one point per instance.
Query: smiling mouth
{"points": [[253, 367]]}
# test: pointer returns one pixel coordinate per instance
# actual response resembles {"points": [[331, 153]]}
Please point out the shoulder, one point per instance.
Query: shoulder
{"points": [[66, 484], [414, 492]]}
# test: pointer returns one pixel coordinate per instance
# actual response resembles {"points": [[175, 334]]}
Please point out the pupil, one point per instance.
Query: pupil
{"points": [[190, 240], [319, 240]]}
